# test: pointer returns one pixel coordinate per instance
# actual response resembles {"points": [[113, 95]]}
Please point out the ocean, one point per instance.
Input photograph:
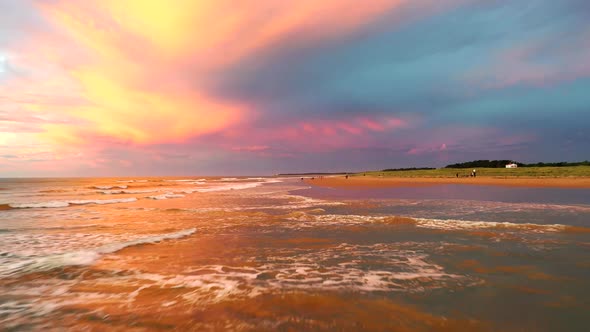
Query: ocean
{"points": [[276, 254]]}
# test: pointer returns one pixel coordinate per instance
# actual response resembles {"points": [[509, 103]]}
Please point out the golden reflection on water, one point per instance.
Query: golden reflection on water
{"points": [[283, 312], [269, 260]]}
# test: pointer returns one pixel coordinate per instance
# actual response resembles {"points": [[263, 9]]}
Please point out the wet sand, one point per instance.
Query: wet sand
{"points": [[385, 182]]}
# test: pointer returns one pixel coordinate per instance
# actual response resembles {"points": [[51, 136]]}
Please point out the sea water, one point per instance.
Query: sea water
{"points": [[256, 254]]}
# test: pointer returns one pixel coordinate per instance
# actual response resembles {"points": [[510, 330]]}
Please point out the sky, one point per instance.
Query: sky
{"points": [[178, 87]]}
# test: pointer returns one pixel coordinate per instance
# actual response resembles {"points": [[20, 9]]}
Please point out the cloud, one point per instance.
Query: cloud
{"points": [[251, 148], [138, 64], [270, 84], [547, 60]]}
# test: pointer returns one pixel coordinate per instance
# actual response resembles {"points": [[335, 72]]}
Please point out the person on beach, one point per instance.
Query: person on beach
{"points": [[474, 173], [457, 174]]}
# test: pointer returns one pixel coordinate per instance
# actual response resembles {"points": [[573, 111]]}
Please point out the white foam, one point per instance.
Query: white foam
{"points": [[233, 186], [81, 257], [111, 248], [187, 180], [310, 220], [52, 204], [451, 224], [109, 187], [166, 196], [126, 192], [103, 201], [61, 204], [339, 268]]}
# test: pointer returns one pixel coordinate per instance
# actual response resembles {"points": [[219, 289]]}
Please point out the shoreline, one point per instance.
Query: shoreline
{"points": [[367, 182]]}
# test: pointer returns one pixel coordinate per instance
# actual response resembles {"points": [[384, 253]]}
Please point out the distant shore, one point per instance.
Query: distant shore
{"points": [[370, 181]]}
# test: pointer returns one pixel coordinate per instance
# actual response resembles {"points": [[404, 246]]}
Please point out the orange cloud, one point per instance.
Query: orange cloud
{"points": [[222, 31], [141, 62]]}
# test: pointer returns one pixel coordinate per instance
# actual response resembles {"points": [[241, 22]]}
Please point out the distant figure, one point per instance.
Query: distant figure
{"points": [[346, 176], [457, 174], [301, 179], [364, 174], [474, 173], [313, 178]]}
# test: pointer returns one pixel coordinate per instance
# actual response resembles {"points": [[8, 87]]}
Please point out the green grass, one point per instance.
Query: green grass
{"points": [[550, 172]]}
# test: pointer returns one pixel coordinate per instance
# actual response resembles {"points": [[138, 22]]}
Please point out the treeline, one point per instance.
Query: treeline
{"points": [[408, 169], [503, 163], [313, 173], [560, 164], [484, 164]]}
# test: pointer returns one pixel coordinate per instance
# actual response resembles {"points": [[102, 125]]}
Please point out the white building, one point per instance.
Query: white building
{"points": [[513, 165]]}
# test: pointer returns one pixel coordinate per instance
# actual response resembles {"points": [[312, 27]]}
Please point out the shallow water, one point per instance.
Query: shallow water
{"points": [[258, 254]]}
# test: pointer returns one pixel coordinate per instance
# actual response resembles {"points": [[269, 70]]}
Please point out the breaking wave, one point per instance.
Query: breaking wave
{"points": [[126, 192], [166, 196], [310, 220], [451, 224], [109, 187], [62, 204], [81, 257]]}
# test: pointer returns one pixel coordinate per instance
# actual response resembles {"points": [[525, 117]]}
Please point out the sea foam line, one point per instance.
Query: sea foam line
{"points": [[439, 224], [82, 257], [109, 187], [452, 224], [166, 196], [60, 204]]}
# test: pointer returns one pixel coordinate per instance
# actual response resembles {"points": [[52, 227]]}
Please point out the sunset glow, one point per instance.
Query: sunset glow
{"points": [[88, 86]]}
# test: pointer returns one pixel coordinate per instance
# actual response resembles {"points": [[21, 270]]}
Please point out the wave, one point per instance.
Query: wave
{"points": [[62, 204], [125, 181], [126, 192], [109, 187], [54, 204], [452, 224], [81, 257], [41, 228], [231, 186], [358, 268], [132, 181], [236, 186], [166, 196], [229, 179], [310, 220], [187, 180]]}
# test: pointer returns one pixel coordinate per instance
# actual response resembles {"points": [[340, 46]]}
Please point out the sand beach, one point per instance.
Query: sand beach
{"points": [[385, 182]]}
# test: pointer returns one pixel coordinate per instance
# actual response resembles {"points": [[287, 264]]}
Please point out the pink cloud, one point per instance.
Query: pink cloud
{"points": [[251, 148], [314, 135]]}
